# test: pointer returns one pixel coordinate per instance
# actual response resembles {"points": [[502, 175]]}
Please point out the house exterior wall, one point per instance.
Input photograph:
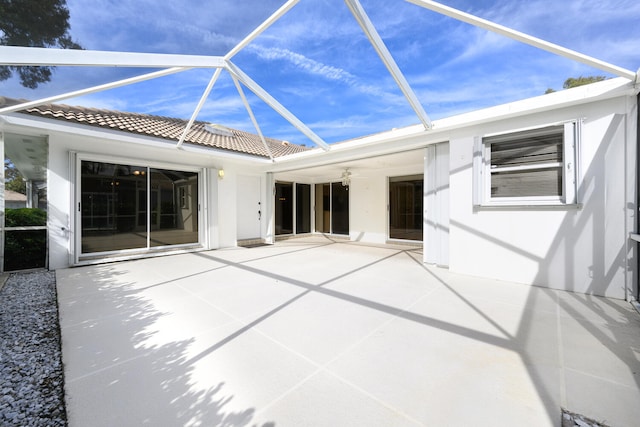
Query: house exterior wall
{"points": [[578, 248], [369, 200], [583, 248], [217, 196]]}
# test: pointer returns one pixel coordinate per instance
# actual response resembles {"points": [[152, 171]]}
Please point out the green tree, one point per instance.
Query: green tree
{"points": [[13, 178], [34, 23], [578, 81]]}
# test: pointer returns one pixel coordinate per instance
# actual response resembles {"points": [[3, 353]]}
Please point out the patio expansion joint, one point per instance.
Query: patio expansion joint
{"points": [[562, 376], [324, 367], [252, 325], [106, 368], [601, 378]]}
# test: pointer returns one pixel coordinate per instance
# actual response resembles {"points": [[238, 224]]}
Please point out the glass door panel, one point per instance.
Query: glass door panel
{"points": [[109, 207], [339, 208], [136, 207], [303, 208], [405, 207], [284, 208], [323, 204], [174, 207]]}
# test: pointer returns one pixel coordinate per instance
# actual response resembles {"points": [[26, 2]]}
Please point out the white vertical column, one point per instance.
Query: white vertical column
{"points": [[268, 212], [436, 205]]}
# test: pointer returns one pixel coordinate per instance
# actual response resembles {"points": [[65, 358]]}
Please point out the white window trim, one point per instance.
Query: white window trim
{"points": [[570, 173]]}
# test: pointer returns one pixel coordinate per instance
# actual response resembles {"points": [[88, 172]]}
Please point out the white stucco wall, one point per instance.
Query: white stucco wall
{"points": [[368, 208], [221, 199], [580, 249], [368, 202]]}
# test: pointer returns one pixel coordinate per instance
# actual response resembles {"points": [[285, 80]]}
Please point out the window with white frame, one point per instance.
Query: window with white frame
{"points": [[533, 166]]}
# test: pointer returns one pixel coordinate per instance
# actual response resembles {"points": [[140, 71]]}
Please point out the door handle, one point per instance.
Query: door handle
{"points": [[259, 215]]}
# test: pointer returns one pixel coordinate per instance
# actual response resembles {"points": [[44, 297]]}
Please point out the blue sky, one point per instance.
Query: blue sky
{"points": [[317, 62]]}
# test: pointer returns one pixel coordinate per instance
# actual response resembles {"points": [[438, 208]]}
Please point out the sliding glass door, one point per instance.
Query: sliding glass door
{"points": [[406, 195], [284, 208], [332, 208], [303, 208], [133, 206], [339, 208], [287, 208]]}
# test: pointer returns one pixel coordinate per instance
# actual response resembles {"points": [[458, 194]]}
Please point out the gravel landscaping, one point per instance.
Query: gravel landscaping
{"points": [[31, 375]]}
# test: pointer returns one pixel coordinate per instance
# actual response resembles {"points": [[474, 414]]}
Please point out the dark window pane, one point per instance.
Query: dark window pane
{"points": [[540, 148], [323, 208], [339, 208], [174, 207], [405, 208], [284, 208], [529, 183], [303, 208], [110, 206], [527, 147], [118, 212]]}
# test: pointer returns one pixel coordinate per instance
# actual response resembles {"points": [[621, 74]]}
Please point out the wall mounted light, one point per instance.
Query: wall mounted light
{"points": [[346, 178], [220, 173]]}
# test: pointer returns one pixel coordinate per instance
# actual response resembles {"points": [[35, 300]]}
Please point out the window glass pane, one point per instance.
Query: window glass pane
{"points": [[174, 207], [112, 197], [527, 152], [284, 208], [527, 164], [339, 208], [528, 183], [405, 208], [303, 208], [323, 222]]}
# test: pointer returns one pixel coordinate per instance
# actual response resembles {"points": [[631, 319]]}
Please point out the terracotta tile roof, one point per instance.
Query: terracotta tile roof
{"points": [[163, 127]]}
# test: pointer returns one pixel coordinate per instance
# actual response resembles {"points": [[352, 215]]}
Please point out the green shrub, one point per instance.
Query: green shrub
{"points": [[24, 216], [28, 248]]}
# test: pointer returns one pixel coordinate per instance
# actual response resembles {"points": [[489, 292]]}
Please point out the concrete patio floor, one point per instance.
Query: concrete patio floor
{"points": [[311, 332]]}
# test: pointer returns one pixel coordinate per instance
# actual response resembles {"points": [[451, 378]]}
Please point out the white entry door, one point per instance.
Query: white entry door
{"points": [[249, 206]]}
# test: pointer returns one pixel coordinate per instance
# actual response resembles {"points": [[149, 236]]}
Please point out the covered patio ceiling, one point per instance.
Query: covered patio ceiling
{"points": [[358, 167], [171, 64]]}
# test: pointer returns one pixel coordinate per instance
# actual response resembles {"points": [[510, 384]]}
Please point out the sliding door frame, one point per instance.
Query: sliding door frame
{"points": [[76, 159]]}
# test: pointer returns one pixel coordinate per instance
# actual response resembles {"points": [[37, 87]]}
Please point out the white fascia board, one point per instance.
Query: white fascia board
{"points": [[415, 136], [47, 126], [603, 90], [600, 91], [525, 38], [376, 41], [38, 56], [217, 153]]}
